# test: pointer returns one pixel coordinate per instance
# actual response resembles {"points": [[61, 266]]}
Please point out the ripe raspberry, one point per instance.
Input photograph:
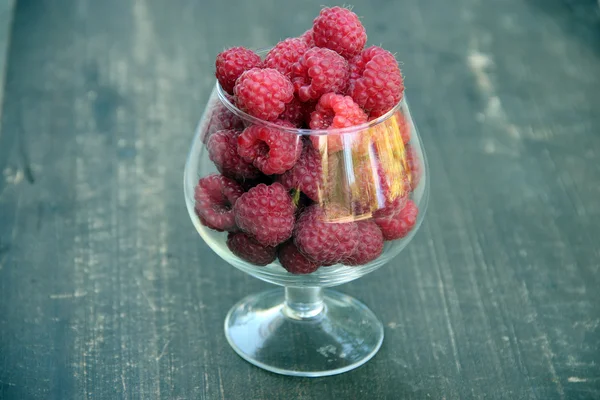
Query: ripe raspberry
{"points": [[221, 119], [369, 246], [375, 190], [322, 241], [232, 63], [335, 111], [267, 213], [308, 38], [285, 53], [319, 71], [294, 261], [307, 174], [271, 150], [414, 166], [339, 29], [400, 120], [297, 112], [263, 93], [222, 150], [375, 80], [399, 224], [215, 196], [247, 248]]}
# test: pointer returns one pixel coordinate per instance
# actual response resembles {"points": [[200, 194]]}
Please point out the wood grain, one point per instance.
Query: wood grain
{"points": [[107, 292]]}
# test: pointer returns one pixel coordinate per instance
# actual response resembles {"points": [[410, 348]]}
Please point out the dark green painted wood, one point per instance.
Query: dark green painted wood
{"points": [[107, 292]]}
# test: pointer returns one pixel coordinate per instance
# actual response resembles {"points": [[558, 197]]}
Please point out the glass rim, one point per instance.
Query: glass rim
{"points": [[299, 131]]}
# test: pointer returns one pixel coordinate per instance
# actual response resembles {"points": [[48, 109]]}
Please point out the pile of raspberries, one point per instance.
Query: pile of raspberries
{"points": [[268, 195]]}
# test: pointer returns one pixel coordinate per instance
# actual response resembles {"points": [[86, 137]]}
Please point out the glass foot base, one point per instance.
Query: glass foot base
{"points": [[343, 336]]}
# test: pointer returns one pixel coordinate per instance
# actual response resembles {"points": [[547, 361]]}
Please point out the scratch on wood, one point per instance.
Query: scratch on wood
{"points": [[123, 383], [221, 389], [150, 302], [545, 347], [574, 379], [76, 294], [442, 292], [164, 349]]}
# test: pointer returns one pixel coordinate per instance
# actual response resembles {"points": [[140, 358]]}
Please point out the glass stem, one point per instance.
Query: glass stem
{"points": [[303, 302]]}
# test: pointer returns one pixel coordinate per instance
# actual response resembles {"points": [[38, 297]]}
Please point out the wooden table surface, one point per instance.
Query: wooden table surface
{"points": [[107, 291]]}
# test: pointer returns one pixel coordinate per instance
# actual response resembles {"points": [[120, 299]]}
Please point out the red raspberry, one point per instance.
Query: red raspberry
{"points": [[221, 118], [369, 246], [232, 63], [215, 196], [297, 112], [267, 213], [399, 224], [294, 261], [339, 29], [325, 242], [271, 150], [319, 71], [307, 174], [414, 166], [246, 247], [222, 150], [376, 190], [400, 120], [335, 111], [375, 80], [308, 38], [263, 93], [285, 53]]}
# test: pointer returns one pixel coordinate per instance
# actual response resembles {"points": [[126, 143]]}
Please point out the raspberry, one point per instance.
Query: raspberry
{"points": [[307, 174], [263, 93], [375, 80], [297, 112], [325, 242], [221, 119], [339, 29], [335, 111], [376, 190], [369, 246], [414, 166], [232, 63], [285, 53], [400, 120], [271, 150], [398, 224], [215, 196], [294, 261], [267, 213], [322, 241], [392, 207], [319, 71], [247, 248], [222, 150], [308, 38]]}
